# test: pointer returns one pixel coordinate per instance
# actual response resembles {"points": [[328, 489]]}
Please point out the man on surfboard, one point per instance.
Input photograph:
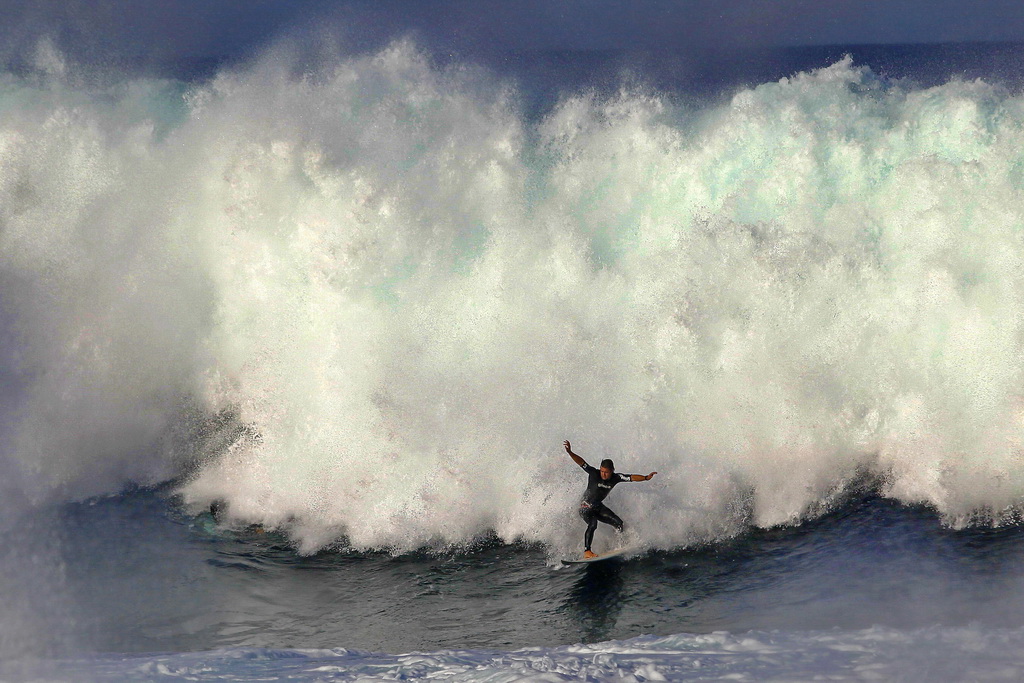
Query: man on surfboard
{"points": [[600, 484]]}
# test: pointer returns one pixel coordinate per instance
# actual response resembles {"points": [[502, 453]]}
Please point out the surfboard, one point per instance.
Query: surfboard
{"points": [[606, 556]]}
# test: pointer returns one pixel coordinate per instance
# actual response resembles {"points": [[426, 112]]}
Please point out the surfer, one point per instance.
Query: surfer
{"points": [[600, 484]]}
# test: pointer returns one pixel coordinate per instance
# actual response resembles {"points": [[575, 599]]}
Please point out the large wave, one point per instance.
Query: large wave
{"points": [[366, 303]]}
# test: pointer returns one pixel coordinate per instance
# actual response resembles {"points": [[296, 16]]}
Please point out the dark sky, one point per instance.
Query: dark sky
{"points": [[159, 34]]}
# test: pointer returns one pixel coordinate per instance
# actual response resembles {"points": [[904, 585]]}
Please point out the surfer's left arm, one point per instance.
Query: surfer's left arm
{"points": [[642, 477]]}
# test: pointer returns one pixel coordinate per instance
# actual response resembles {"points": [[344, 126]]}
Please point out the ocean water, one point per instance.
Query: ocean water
{"points": [[358, 301]]}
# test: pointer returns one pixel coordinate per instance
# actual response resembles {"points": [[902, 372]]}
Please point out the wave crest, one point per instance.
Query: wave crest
{"points": [[404, 295]]}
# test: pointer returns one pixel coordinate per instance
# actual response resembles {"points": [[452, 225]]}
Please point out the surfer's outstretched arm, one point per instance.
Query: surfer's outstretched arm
{"points": [[642, 477], [575, 458]]}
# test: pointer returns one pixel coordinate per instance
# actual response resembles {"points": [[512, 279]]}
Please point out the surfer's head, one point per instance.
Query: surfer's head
{"points": [[607, 468]]}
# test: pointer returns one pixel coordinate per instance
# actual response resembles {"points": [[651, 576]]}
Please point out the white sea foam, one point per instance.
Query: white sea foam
{"points": [[409, 295], [934, 654]]}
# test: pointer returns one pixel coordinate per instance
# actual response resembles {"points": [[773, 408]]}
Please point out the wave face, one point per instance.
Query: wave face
{"points": [[365, 304]]}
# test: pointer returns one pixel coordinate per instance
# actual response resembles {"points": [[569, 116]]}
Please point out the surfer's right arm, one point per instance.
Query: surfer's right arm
{"points": [[575, 458]]}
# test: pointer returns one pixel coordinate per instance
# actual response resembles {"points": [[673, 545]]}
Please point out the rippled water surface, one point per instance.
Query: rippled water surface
{"points": [[145, 577]]}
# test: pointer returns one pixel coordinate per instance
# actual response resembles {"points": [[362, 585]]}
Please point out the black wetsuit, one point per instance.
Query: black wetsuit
{"points": [[592, 510]]}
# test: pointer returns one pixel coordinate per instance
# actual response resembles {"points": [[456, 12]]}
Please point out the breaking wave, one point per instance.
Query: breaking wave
{"points": [[366, 303]]}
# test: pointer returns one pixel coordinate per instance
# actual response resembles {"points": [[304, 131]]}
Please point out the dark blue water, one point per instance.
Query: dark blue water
{"points": [[144, 577]]}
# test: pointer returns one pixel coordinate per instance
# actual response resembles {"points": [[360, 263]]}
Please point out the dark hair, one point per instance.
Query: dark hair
{"points": [[608, 463]]}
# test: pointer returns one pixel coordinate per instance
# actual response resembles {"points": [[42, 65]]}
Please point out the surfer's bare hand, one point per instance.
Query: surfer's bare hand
{"points": [[651, 476], [568, 448]]}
